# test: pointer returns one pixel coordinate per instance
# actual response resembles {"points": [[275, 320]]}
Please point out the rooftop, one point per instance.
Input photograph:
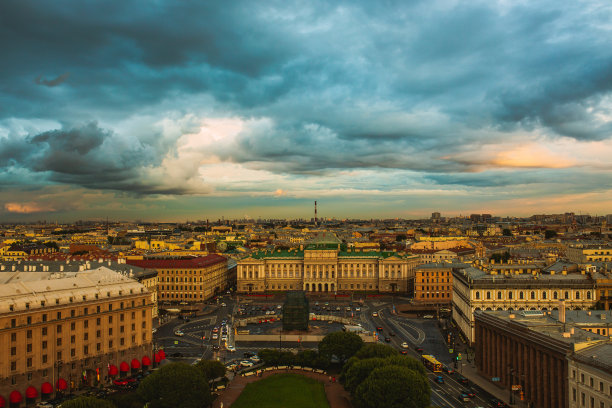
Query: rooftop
{"points": [[36, 290], [188, 263]]}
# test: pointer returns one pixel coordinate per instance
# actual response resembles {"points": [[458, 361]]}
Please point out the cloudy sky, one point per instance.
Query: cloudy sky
{"points": [[174, 111]]}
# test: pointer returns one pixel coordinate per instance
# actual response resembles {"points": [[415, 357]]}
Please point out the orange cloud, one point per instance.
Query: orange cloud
{"points": [[26, 208]]}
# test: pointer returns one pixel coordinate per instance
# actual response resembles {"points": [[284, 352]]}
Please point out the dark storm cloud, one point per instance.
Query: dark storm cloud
{"points": [[52, 82], [344, 85]]}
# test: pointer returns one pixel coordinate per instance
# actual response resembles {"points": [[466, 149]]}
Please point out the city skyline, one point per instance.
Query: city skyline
{"points": [[193, 111]]}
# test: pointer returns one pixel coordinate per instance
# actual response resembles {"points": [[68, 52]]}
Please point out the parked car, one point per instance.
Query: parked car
{"points": [[230, 348], [248, 354], [439, 379], [179, 333], [405, 345], [255, 359], [246, 363], [404, 352], [374, 314], [462, 380]]}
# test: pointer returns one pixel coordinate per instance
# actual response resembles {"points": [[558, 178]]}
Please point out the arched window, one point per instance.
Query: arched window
{"points": [[510, 295], [555, 295], [567, 295], [543, 295], [588, 294], [521, 295], [499, 295], [577, 295], [488, 295], [532, 294], [477, 295]]}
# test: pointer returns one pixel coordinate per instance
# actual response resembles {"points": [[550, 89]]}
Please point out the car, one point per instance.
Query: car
{"points": [[339, 309], [462, 380], [469, 393], [428, 317], [230, 348], [379, 329], [348, 308], [405, 345], [215, 336], [448, 370], [357, 309], [224, 337], [279, 307], [388, 339], [248, 354], [179, 333], [154, 330], [419, 349], [404, 352], [215, 329], [391, 334], [255, 359], [374, 314], [223, 305], [494, 402], [215, 347], [464, 397], [246, 363], [44, 405], [326, 303], [439, 379]]}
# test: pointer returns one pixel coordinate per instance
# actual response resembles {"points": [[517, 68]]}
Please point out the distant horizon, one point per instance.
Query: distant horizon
{"points": [[211, 220], [257, 109]]}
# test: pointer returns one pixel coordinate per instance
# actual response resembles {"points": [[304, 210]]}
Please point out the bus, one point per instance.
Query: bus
{"points": [[431, 363]]}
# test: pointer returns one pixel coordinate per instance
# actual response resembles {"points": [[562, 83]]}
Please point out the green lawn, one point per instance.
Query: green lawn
{"points": [[283, 391]]}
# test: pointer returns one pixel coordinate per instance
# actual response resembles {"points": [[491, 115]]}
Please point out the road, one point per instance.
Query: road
{"points": [[197, 340]]}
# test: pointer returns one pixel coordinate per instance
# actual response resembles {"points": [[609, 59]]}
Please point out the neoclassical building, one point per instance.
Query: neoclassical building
{"points": [[475, 290], [60, 331], [325, 268]]}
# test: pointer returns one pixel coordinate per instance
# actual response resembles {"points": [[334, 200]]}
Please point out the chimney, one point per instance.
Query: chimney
{"points": [[562, 311]]}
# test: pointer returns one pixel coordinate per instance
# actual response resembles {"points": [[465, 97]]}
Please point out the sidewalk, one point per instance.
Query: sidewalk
{"points": [[470, 372]]}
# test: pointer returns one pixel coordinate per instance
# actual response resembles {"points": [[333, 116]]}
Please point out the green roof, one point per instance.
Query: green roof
{"points": [[278, 254]]}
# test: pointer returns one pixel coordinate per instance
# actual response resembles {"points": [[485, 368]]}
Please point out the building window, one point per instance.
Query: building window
{"points": [[532, 295], [29, 362], [543, 295], [72, 339], [44, 358], [13, 365], [577, 295], [488, 295], [13, 351], [499, 295], [29, 320], [521, 295], [28, 348], [44, 331], [29, 334], [59, 328], [72, 352], [13, 322]]}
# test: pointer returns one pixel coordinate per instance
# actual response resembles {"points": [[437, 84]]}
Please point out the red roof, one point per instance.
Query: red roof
{"points": [[192, 263]]}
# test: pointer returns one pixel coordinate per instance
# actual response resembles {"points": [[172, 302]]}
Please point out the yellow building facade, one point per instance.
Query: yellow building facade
{"points": [[325, 270]]}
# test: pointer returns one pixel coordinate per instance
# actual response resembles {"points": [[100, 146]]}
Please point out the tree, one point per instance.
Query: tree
{"points": [[174, 385], [342, 345], [400, 238], [506, 232], [408, 362], [376, 350], [359, 371], [393, 387], [87, 402], [211, 369]]}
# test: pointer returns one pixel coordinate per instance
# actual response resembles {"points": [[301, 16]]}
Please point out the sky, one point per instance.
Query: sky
{"points": [[173, 111]]}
